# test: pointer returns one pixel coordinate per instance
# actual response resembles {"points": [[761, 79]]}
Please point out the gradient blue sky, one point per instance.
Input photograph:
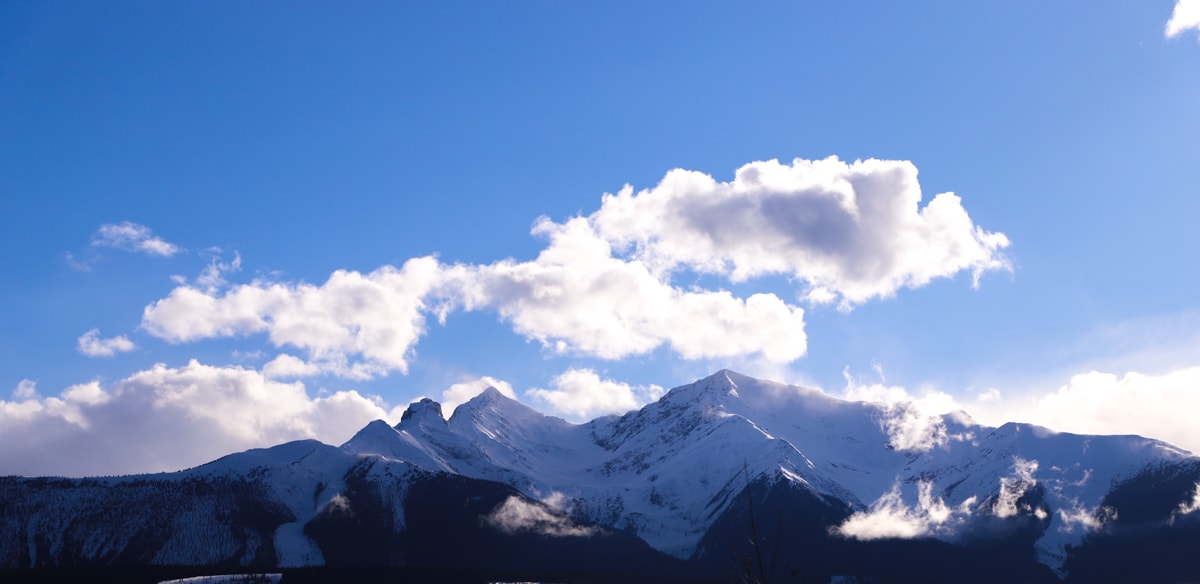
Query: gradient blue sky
{"points": [[308, 138]]}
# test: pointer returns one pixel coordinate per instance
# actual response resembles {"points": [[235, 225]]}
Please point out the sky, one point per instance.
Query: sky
{"points": [[229, 226]]}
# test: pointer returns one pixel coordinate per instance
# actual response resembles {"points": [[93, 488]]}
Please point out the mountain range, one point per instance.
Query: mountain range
{"points": [[729, 478]]}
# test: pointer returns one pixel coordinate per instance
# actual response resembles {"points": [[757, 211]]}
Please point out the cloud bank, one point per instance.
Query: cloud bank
{"points": [[1155, 406], [1135, 403], [165, 418], [603, 287]]}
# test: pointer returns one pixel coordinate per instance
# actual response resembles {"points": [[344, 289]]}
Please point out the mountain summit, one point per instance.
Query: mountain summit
{"points": [[714, 472]]}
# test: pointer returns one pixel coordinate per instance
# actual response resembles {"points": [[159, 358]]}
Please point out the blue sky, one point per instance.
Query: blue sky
{"points": [[184, 179]]}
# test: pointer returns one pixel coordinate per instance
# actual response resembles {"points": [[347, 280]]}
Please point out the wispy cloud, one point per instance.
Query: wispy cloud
{"points": [[1013, 487], [213, 276], [913, 423], [516, 515], [129, 236], [1188, 506], [890, 517], [26, 389]]}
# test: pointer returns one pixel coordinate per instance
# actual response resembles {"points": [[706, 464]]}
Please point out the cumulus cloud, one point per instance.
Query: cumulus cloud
{"points": [[581, 394], [890, 517], [850, 231], [285, 366], [129, 236], [516, 515], [92, 345], [1185, 17], [354, 325], [603, 285], [460, 393], [576, 296], [166, 418]]}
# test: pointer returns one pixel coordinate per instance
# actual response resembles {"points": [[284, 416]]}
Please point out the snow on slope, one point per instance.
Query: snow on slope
{"points": [[666, 472], [670, 469], [305, 476]]}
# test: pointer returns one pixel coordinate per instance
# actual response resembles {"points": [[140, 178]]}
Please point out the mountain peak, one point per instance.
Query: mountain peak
{"points": [[422, 410], [490, 403], [491, 394], [369, 439], [722, 382]]}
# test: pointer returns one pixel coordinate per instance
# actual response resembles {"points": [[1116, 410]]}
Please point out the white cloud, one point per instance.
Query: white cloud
{"points": [[577, 297], [891, 517], [285, 366], [131, 236], [26, 389], [1156, 406], [1012, 488], [581, 394], [213, 276], [602, 287], [990, 395], [516, 515], [1081, 519], [355, 325], [76, 263], [851, 231], [92, 345], [168, 418], [460, 393], [912, 423], [1186, 16], [1191, 506]]}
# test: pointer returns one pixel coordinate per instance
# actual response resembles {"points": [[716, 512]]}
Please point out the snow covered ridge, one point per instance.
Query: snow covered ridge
{"points": [[833, 487]]}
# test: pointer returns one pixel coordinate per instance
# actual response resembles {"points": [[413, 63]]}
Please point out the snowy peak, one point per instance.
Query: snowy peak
{"points": [[498, 416], [721, 383], [672, 472], [419, 412], [491, 400], [375, 438]]}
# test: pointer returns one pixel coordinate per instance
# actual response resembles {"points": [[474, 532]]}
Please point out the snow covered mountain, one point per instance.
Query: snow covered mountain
{"points": [[702, 484]]}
